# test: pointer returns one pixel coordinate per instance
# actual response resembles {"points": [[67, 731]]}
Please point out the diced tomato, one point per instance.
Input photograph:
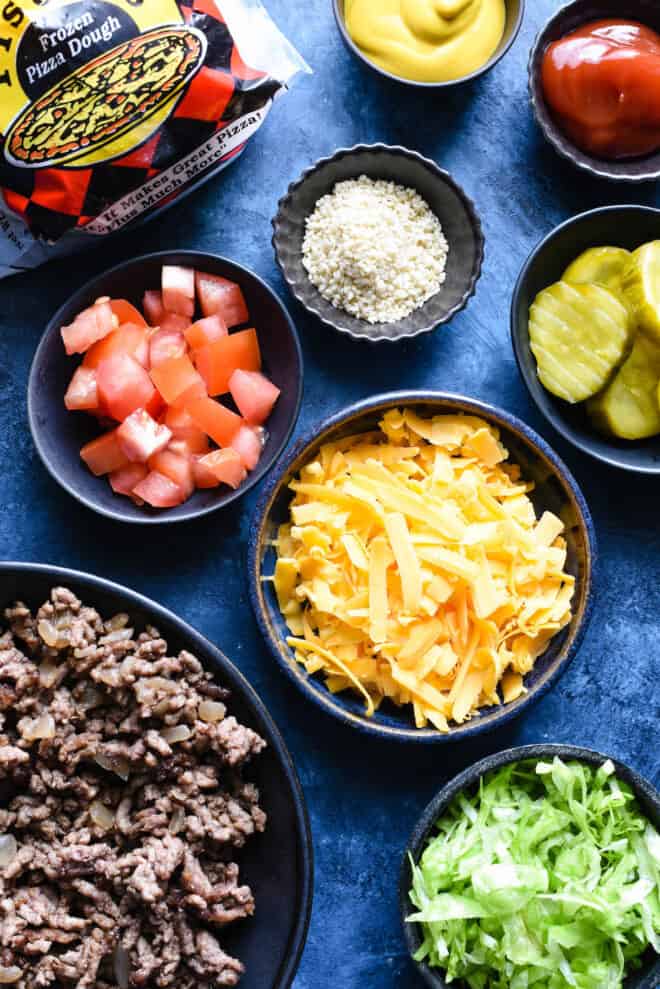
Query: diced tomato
{"points": [[128, 339], [125, 386], [183, 428], [173, 321], [165, 344], [159, 491], [152, 303], [254, 395], [90, 325], [214, 419], [206, 331], [104, 455], [178, 285], [175, 377], [175, 466], [218, 360], [140, 436], [226, 465], [82, 393], [203, 475], [219, 295], [123, 481], [127, 313], [248, 444]]}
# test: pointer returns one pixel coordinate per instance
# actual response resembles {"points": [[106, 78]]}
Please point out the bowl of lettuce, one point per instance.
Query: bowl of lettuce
{"points": [[537, 868]]}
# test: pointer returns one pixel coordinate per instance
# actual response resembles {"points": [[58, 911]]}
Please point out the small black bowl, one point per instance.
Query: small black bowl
{"points": [[565, 20], [648, 797], [456, 212], [58, 434], [277, 864], [617, 226], [514, 15], [555, 491]]}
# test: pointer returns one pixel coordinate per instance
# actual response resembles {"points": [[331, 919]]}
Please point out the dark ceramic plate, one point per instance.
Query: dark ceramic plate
{"points": [[455, 211], [649, 798], [618, 226], [278, 864], [514, 15], [58, 435], [568, 19], [556, 491]]}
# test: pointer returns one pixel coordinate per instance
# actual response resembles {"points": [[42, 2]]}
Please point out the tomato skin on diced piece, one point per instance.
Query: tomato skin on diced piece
{"points": [[226, 465], [173, 321], [125, 386], [205, 331], [220, 295], [90, 325], [123, 480], [178, 288], [127, 339], [183, 428], [164, 344], [254, 394], [178, 468], [218, 360], [177, 377], [127, 313], [152, 304], [82, 394], [248, 444], [140, 436], [203, 475], [104, 455], [159, 491], [214, 419]]}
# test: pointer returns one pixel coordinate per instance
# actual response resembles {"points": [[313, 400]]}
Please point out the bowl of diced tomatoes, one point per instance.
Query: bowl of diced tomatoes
{"points": [[166, 387]]}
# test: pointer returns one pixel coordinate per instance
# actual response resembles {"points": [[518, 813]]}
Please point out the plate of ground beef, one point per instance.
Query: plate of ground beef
{"points": [[153, 831]]}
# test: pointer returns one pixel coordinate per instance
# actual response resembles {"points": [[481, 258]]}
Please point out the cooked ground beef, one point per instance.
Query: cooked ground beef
{"points": [[123, 804]]}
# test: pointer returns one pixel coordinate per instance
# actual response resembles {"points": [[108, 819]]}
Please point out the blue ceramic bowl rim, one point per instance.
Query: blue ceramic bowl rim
{"points": [[238, 683], [551, 130], [253, 478], [468, 778], [486, 67], [440, 175], [520, 335], [313, 689]]}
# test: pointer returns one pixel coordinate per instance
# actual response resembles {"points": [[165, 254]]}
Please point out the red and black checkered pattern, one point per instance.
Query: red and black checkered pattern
{"points": [[55, 200]]}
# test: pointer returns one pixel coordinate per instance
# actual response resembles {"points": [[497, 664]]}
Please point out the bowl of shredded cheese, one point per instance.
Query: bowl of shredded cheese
{"points": [[379, 243], [421, 566]]}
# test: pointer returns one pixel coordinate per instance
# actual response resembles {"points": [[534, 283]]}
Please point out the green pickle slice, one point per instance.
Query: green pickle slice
{"points": [[599, 266], [641, 284], [579, 334], [628, 408]]}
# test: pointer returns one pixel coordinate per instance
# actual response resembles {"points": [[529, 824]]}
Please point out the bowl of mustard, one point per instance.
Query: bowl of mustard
{"points": [[429, 43]]}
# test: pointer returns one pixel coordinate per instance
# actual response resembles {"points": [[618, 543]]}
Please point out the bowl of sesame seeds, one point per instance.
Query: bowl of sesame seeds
{"points": [[379, 243]]}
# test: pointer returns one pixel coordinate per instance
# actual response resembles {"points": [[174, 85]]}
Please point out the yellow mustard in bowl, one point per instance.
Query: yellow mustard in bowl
{"points": [[426, 40]]}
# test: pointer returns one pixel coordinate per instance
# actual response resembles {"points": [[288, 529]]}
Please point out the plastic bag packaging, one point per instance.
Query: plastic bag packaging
{"points": [[112, 109]]}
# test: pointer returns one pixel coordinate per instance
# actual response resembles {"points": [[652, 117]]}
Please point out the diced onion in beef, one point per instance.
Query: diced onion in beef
{"points": [[178, 733], [118, 621], [8, 849], [177, 820], [52, 635], [8, 975], [48, 673], [117, 635], [114, 764], [41, 727], [101, 815], [212, 711]]}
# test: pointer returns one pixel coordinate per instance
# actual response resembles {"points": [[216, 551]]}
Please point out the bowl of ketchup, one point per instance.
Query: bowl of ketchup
{"points": [[595, 86]]}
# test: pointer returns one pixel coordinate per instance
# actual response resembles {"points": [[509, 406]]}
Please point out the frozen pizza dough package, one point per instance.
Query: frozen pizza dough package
{"points": [[112, 109]]}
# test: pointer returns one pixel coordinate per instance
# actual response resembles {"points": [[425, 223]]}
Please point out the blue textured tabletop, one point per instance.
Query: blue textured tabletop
{"points": [[364, 796]]}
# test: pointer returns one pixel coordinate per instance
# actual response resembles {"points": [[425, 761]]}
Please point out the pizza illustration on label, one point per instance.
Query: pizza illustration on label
{"points": [[110, 105]]}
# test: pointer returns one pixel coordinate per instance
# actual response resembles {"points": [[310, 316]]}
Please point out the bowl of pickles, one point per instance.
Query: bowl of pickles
{"points": [[585, 325]]}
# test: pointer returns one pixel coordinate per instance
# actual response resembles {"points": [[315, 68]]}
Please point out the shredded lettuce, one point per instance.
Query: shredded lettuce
{"points": [[546, 878]]}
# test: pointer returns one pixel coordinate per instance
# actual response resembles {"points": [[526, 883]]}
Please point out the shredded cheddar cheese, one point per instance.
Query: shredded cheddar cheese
{"points": [[414, 568]]}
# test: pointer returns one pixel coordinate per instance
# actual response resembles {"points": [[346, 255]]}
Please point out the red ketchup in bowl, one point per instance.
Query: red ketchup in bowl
{"points": [[602, 83]]}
